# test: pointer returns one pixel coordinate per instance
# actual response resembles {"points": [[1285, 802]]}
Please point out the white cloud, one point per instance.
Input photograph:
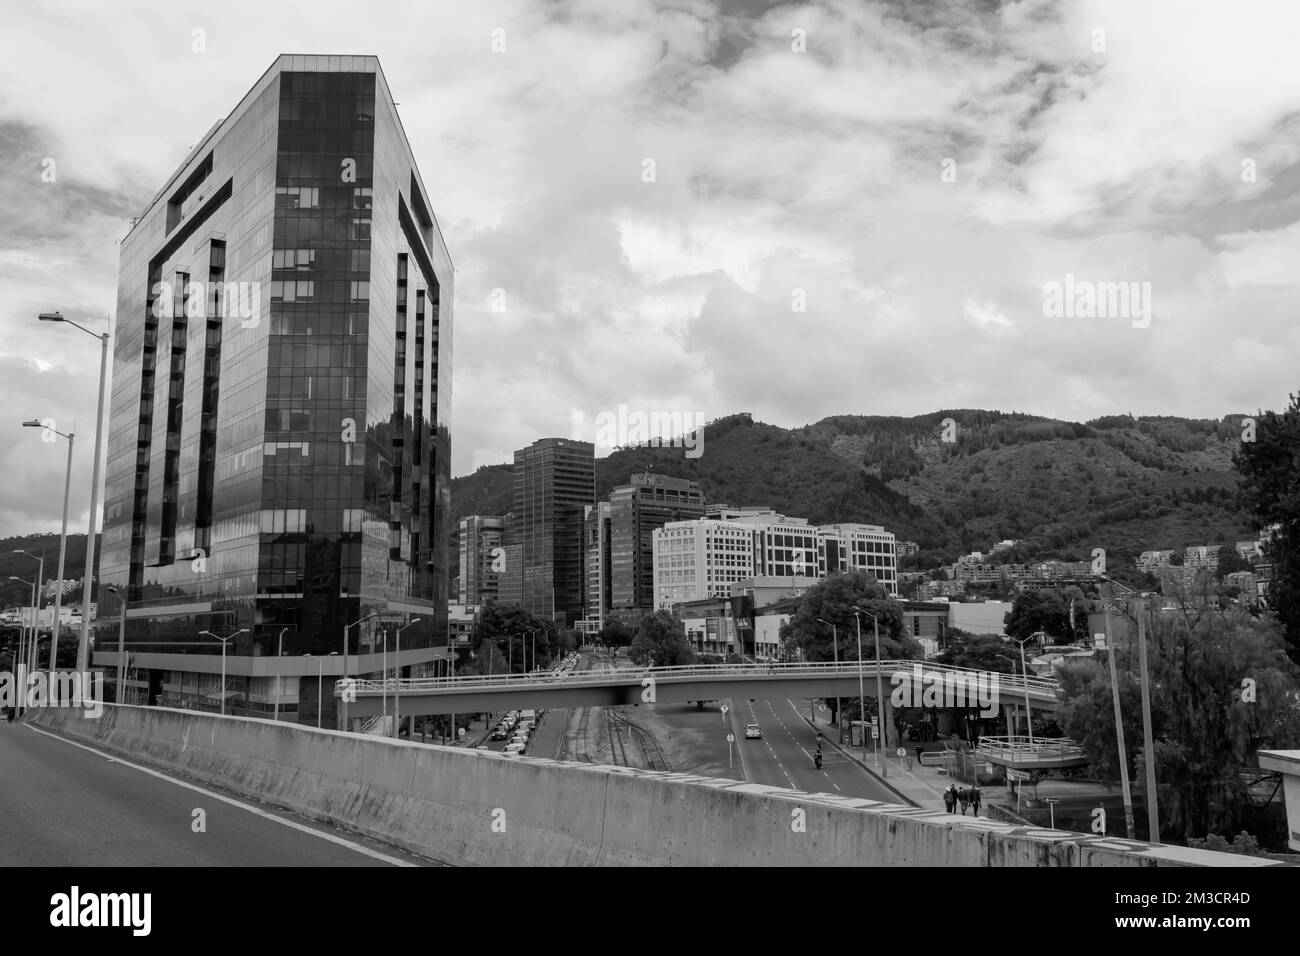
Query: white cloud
{"points": [[776, 171]]}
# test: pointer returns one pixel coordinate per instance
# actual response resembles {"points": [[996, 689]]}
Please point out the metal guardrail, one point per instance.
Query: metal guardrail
{"points": [[1007, 683], [1019, 750]]}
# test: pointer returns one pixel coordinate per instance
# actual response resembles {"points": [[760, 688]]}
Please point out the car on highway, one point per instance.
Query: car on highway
{"points": [[752, 732], [501, 732], [513, 749]]}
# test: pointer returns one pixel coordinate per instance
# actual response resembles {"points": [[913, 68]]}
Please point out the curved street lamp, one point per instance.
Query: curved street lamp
{"points": [[83, 649], [63, 548], [224, 641]]}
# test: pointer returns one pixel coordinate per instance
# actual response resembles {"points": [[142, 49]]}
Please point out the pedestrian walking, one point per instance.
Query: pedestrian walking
{"points": [[975, 800], [919, 751], [950, 799], [963, 797]]}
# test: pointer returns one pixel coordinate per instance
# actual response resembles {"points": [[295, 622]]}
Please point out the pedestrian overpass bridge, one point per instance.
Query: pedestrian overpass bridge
{"points": [[919, 684]]}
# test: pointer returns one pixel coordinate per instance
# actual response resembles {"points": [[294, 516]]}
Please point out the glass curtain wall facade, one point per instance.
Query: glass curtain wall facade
{"points": [[554, 480], [278, 445]]}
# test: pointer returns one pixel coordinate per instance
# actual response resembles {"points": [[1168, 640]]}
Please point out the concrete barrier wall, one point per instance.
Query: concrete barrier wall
{"points": [[477, 808]]}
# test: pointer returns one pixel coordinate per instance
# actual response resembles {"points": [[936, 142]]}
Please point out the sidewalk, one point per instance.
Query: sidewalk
{"points": [[921, 786]]}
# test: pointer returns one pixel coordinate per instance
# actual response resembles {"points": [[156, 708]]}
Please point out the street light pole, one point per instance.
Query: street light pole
{"points": [[1148, 743], [343, 702], [397, 684], [862, 696], [835, 644], [121, 642], [83, 650], [320, 682], [22, 684], [1024, 676], [882, 763], [63, 548], [37, 596], [1129, 825], [880, 699], [279, 681], [224, 641]]}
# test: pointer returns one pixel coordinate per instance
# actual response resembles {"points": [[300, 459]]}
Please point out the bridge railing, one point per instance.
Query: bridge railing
{"points": [[1008, 683], [1021, 750]]}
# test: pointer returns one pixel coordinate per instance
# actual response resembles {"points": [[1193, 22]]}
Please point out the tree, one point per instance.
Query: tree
{"points": [[1047, 611], [484, 659], [1270, 489], [661, 638], [832, 599], [986, 652], [616, 634], [1230, 561], [511, 628], [1222, 688], [1243, 843]]}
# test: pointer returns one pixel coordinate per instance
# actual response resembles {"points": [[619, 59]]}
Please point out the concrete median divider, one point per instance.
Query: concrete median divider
{"points": [[481, 809]]}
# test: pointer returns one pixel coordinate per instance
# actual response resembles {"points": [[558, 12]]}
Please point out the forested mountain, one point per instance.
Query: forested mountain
{"points": [[1062, 488]]}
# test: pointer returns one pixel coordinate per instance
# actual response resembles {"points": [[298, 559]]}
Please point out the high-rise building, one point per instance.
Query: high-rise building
{"points": [[278, 443], [647, 502], [596, 567], [482, 559], [554, 481]]}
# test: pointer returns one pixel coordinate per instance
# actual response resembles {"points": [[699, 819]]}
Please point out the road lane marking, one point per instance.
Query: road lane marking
{"points": [[292, 824]]}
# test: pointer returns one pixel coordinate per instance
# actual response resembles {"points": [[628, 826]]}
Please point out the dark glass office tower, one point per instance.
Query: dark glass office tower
{"points": [[648, 501], [278, 449], [555, 478]]}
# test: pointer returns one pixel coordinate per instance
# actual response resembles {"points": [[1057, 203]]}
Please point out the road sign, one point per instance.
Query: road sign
{"points": [[1016, 774], [875, 733], [724, 708], [902, 752], [731, 738]]}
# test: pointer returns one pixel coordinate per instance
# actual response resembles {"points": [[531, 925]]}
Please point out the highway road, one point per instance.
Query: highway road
{"points": [[784, 757], [64, 804]]}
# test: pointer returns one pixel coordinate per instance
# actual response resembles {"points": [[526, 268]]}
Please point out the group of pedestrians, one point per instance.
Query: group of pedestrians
{"points": [[963, 797]]}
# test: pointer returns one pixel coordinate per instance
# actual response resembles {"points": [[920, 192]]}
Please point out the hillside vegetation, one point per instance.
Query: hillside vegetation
{"points": [[1062, 488]]}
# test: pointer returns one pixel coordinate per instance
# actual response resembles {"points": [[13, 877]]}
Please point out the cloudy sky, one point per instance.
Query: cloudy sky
{"points": [[791, 209]]}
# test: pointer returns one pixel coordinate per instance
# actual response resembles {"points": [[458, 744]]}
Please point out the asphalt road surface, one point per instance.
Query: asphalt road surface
{"points": [[784, 757], [64, 804]]}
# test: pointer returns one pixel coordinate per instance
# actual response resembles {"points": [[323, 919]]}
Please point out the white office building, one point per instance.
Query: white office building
{"points": [[703, 558], [700, 559]]}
